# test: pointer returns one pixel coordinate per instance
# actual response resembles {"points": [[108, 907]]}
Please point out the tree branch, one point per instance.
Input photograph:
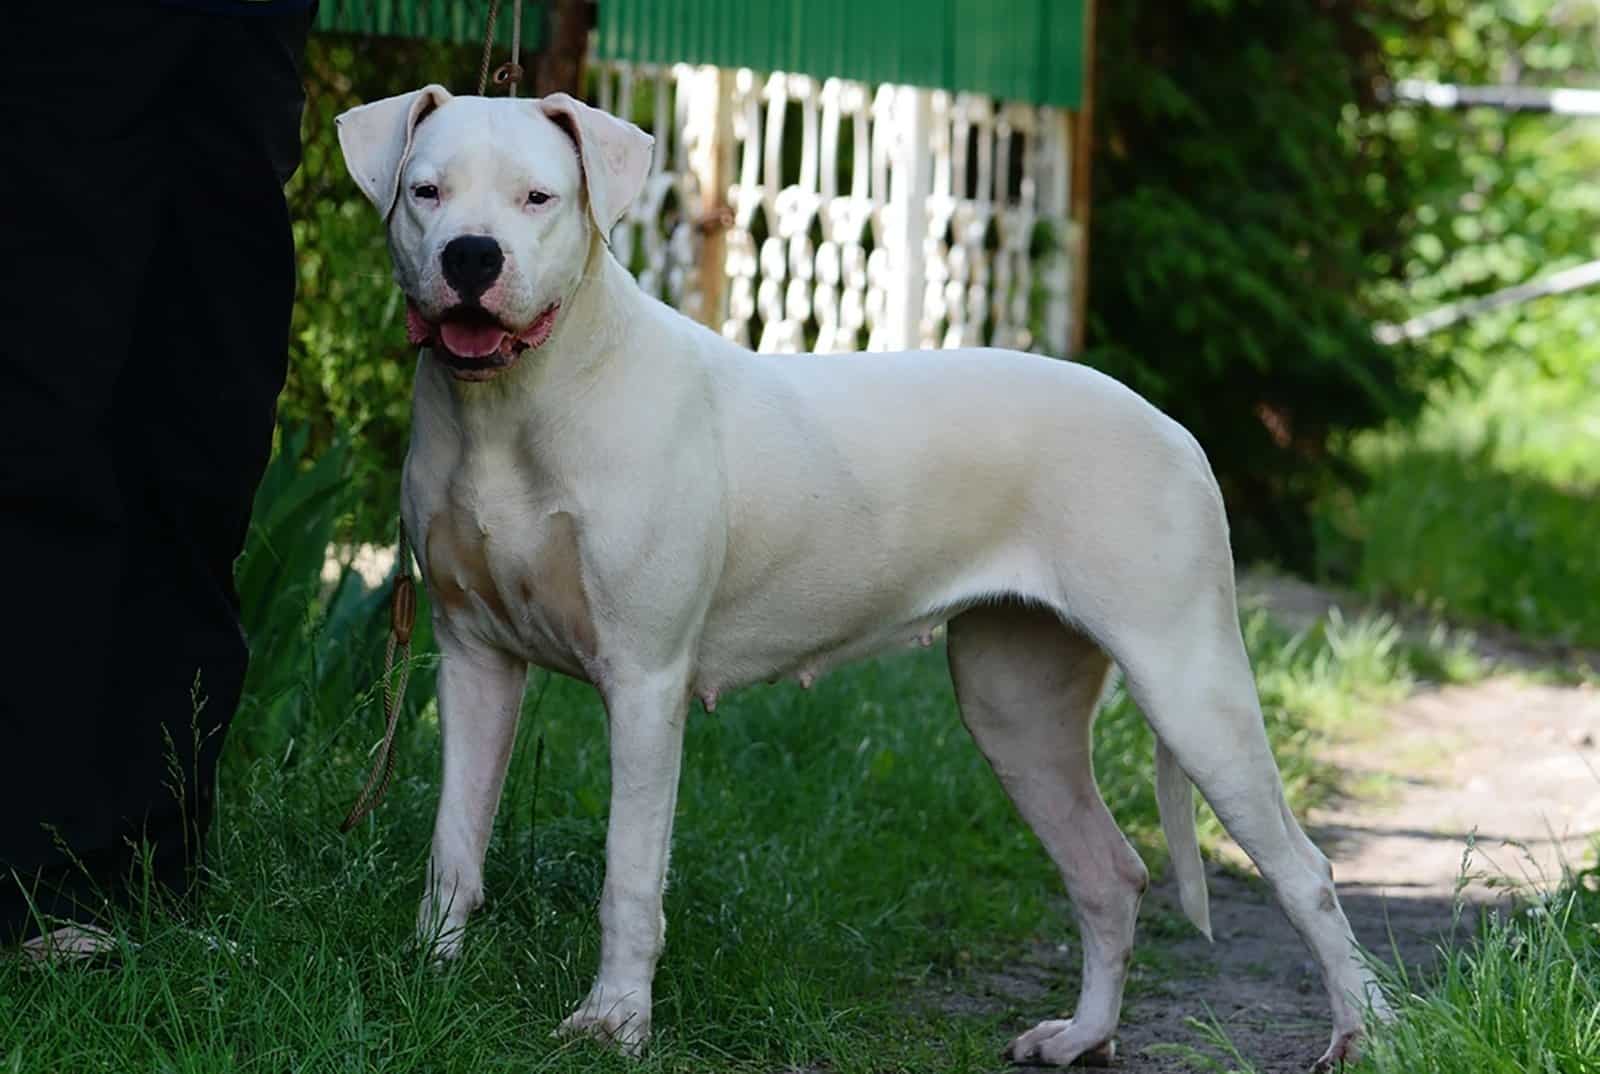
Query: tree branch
{"points": [[1573, 279]]}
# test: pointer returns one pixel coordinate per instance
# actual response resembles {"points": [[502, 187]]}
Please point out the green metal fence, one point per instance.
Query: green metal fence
{"points": [[456, 21], [1016, 50]]}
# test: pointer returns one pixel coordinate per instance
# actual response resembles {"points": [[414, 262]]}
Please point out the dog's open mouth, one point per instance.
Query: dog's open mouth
{"points": [[472, 343]]}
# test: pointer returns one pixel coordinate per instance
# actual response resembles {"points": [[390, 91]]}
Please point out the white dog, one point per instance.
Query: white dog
{"points": [[600, 486]]}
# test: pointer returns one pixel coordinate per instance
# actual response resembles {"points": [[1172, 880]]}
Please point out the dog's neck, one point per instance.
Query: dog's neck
{"points": [[593, 321]]}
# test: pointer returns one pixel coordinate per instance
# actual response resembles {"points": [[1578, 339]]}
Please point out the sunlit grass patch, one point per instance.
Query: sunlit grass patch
{"points": [[1485, 509], [1456, 534]]}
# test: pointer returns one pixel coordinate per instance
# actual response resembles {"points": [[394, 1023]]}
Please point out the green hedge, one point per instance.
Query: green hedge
{"points": [[1241, 220]]}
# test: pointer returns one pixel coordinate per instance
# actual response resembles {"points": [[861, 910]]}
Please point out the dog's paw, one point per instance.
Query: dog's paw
{"points": [[443, 947], [1060, 1042], [1346, 1048], [620, 1017], [441, 935]]}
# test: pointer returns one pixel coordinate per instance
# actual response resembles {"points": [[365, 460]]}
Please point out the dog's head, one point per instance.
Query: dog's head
{"points": [[491, 205]]}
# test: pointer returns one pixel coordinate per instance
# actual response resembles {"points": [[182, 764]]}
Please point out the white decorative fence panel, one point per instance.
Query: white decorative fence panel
{"points": [[657, 237], [799, 214]]}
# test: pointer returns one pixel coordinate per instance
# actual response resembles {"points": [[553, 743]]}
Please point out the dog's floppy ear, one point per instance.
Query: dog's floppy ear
{"points": [[614, 153], [376, 140]]}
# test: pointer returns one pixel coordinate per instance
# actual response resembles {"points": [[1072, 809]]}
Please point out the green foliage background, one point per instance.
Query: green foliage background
{"points": [[1239, 240], [1485, 505], [350, 367], [1257, 208]]}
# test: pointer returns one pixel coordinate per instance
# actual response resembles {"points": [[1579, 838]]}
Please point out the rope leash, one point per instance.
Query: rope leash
{"points": [[402, 617], [508, 74], [403, 603]]}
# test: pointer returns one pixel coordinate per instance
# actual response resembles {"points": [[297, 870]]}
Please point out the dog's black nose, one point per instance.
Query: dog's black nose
{"points": [[471, 264]]}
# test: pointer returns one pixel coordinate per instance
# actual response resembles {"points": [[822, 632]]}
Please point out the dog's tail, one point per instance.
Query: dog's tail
{"points": [[1175, 802]]}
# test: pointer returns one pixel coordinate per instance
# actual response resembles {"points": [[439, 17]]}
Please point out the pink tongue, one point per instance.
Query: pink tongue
{"points": [[471, 340]]}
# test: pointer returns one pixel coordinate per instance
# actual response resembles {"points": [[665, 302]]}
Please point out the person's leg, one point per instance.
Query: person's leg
{"points": [[194, 413], [144, 353], [81, 195]]}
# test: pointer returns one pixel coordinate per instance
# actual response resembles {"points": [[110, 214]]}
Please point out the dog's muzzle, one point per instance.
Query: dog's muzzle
{"points": [[472, 343]]}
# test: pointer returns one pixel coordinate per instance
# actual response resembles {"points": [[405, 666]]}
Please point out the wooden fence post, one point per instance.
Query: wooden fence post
{"points": [[1056, 141], [910, 182], [711, 160], [559, 68], [1082, 189]]}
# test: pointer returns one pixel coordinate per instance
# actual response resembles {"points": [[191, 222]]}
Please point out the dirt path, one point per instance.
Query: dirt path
{"points": [[1511, 761], [1514, 761]]}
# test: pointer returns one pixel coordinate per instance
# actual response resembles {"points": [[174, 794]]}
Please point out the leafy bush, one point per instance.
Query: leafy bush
{"points": [[1485, 505], [316, 646], [1237, 238], [1494, 197], [350, 367]]}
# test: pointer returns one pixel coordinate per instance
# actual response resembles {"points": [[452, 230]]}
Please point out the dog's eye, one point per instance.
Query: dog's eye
{"points": [[426, 191], [538, 197]]}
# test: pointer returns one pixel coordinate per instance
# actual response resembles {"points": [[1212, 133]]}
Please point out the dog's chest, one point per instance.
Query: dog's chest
{"points": [[512, 581]]}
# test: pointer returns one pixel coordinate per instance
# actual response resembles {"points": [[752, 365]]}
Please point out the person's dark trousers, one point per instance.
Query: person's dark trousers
{"points": [[144, 320]]}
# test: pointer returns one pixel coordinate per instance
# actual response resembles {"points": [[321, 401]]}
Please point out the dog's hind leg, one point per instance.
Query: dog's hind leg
{"points": [[1028, 685], [1189, 672]]}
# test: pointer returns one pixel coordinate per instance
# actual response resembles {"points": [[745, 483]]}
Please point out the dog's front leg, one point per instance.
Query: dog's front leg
{"points": [[480, 696], [646, 714]]}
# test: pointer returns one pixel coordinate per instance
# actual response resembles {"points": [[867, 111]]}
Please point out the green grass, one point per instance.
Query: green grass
{"points": [[1459, 535], [843, 856], [1486, 508], [1522, 998]]}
